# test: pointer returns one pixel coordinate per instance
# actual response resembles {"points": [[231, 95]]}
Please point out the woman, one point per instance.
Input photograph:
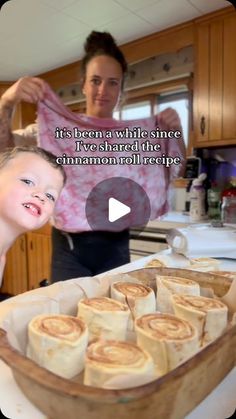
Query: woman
{"points": [[85, 253]]}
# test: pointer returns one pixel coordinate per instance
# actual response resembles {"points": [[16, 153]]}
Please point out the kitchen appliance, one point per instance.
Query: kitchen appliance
{"points": [[192, 171], [193, 167]]}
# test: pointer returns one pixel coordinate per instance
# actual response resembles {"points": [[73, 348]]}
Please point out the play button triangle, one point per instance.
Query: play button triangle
{"points": [[116, 210]]}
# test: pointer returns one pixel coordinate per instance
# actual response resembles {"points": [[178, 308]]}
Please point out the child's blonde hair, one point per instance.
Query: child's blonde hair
{"points": [[11, 153]]}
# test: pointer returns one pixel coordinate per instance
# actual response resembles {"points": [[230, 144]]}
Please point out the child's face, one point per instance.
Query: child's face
{"points": [[29, 188]]}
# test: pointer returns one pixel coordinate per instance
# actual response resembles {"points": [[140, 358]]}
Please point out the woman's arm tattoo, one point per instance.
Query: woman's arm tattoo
{"points": [[6, 137]]}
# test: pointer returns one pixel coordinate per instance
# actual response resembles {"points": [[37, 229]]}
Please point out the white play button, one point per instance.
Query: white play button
{"points": [[117, 204], [116, 210]]}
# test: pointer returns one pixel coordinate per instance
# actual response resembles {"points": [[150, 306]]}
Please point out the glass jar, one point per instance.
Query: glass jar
{"points": [[228, 209], [213, 201]]}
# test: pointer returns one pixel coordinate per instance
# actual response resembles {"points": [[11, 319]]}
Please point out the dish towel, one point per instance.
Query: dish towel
{"points": [[54, 117], [203, 239]]}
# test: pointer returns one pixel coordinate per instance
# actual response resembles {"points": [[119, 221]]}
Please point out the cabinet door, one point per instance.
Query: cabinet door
{"points": [[201, 89], [15, 273], [215, 92], [209, 82], [229, 71], [215, 82], [39, 258]]}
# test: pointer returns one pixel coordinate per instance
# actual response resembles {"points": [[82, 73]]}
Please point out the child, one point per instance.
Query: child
{"points": [[30, 184]]}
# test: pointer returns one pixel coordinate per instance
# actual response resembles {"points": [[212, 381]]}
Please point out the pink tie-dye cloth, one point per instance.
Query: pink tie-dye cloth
{"points": [[70, 213]]}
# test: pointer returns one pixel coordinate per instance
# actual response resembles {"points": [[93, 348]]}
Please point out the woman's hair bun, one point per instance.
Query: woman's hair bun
{"points": [[102, 43], [99, 41]]}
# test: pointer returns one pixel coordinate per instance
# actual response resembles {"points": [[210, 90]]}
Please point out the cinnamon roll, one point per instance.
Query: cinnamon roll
{"points": [[106, 318], [115, 364], [208, 315], [204, 264], [155, 263], [169, 285], [225, 274], [139, 298], [58, 343], [170, 261], [168, 339]]}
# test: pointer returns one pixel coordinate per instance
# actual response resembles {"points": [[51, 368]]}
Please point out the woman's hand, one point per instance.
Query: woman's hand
{"points": [[26, 89], [169, 120], [2, 266]]}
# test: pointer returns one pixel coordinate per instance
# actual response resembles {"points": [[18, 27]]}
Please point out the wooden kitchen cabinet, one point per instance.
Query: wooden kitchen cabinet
{"points": [[28, 262], [39, 258], [215, 81], [15, 278]]}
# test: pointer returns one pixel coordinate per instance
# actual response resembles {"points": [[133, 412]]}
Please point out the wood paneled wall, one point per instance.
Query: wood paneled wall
{"points": [[162, 42], [169, 40]]}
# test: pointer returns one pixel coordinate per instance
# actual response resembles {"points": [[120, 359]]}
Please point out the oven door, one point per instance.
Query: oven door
{"points": [[147, 242]]}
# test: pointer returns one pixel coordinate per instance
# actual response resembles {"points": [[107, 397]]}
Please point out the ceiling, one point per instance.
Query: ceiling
{"points": [[38, 36]]}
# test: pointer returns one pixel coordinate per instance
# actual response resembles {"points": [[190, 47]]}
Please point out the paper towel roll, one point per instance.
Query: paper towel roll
{"points": [[203, 239]]}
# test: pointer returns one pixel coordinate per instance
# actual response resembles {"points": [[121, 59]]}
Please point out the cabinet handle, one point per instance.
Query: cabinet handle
{"points": [[203, 125], [22, 245]]}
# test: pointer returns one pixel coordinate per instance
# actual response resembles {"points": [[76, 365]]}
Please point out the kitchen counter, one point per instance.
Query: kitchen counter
{"points": [[176, 219], [220, 404], [172, 219], [152, 238]]}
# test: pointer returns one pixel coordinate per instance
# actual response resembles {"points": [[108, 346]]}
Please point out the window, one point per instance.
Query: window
{"points": [[135, 110], [179, 102], [144, 106]]}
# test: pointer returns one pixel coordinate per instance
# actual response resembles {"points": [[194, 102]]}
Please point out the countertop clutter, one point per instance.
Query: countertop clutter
{"points": [[154, 239], [171, 220], [15, 405]]}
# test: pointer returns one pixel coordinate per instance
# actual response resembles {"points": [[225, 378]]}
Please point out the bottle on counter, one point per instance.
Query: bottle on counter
{"points": [[228, 208], [213, 201], [187, 199], [197, 199]]}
